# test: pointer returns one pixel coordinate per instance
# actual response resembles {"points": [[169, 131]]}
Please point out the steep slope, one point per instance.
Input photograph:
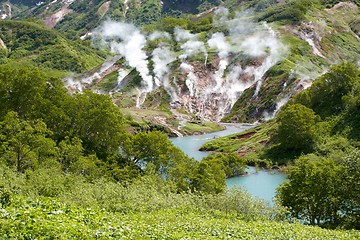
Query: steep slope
{"points": [[223, 64], [239, 69], [84, 15], [34, 43], [324, 38]]}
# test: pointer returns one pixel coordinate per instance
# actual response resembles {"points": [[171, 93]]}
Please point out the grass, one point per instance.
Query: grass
{"points": [[252, 140], [46, 218], [109, 81], [140, 115], [202, 127]]}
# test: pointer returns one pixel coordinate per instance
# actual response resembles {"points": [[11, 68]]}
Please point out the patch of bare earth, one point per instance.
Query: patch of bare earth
{"points": [[343, 5], [104, 8], [246, 135], [53, 19]]}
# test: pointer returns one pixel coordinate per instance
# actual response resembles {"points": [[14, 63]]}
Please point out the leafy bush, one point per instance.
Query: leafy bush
{"points": [[42, 217]]}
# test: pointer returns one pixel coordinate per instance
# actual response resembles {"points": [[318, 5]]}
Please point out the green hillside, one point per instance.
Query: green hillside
{"points": [[335, 36], [35, 44]]}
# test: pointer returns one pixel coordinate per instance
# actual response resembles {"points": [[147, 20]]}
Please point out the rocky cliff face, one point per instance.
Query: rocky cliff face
{"points": [[237, 69], [205, 77]]}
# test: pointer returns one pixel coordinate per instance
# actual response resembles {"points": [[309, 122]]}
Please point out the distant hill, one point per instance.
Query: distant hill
{"points": [[310, 36], [24, 41]]}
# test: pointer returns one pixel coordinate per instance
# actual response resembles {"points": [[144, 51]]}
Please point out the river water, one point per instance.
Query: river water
{"points": [[261, 184]]}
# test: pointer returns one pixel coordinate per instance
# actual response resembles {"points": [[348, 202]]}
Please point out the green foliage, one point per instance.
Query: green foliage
{"points": [[296, 129], [230, 163], [146, 194], [208, 4], [60, 58], [25, 144], [261, 5], [90, 117], [148, 12], [153, 151], [322, 192], [350, 179], [32, 42], [168, 24], [210, 177], [5, 197], [312, 189], [331, 3], [204, 24], [95, 120], [22, 89], [148, 209], [329, 94], [72, 159], [181, 6]]}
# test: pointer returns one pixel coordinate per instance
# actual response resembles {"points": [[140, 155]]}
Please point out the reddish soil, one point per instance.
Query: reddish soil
{"points": [[246, 135]]}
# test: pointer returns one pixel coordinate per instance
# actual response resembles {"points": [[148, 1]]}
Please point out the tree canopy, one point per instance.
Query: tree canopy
{"points": [[323, 192], [296, 128]]}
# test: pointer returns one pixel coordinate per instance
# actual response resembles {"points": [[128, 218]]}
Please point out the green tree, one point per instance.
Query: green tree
{"points": [[296, 128], [350, 190], [231, 163], [70, 150], [313, 192], [95, 120], [32, 95], [21, 89], [72, 159], [331, 93], [25, 144], [210, 177], [154, 152]]}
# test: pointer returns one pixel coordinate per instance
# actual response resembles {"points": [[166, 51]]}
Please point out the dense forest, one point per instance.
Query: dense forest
{"points": [[87, 164]]}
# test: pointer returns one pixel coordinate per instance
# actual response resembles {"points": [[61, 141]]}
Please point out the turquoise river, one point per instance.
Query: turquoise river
{"points": [[260, 183]]}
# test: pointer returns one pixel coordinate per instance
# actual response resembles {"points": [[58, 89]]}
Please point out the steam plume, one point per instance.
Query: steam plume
{"points": [[126, 40]]}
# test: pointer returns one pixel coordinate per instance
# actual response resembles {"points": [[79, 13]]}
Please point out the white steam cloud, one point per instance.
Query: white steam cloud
{"points": [[162, 57], [191, 46], [127, 41], [212, 88], [219, 43]]}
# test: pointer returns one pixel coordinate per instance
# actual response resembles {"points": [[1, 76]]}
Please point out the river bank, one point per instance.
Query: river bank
{"points": [[171, 122], [190, 145], [259, 182]]}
